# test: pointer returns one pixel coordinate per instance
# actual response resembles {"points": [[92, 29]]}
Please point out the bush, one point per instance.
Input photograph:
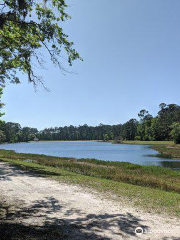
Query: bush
{"points": [[175, 132], [137, 138]]}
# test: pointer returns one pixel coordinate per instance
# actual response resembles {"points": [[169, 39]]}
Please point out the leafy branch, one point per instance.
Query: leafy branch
{"points": [[27, 26]]}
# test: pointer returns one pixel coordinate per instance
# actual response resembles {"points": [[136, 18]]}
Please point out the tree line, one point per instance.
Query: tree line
{"points": [[164, 126]]}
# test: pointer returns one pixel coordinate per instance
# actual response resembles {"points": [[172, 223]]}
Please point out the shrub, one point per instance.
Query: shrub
{"points": [[175, 132]]}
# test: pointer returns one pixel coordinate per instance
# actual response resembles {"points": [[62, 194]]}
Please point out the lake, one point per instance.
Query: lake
{"points": [[100, 150]]}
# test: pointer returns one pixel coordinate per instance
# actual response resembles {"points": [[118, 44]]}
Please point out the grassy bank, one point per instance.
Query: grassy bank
{"points": [[169, 151], [150, 176], [166, 149], [151, 199], [149, 142]]}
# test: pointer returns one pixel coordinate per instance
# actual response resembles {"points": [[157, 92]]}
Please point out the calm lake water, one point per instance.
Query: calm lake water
{"points": [[100, 150]]}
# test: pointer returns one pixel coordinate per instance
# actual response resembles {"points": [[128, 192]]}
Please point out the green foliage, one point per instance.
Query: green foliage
{"points": [[106, 137], [149, 128], [26, 27], [84, 132], [129, 129], [175, 132], [159, 127], [1, 104], [2, 136], [14, 133], [137, 138]]}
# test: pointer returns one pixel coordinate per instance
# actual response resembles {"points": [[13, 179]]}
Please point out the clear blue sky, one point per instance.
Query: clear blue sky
{"points": [[131, 52]]}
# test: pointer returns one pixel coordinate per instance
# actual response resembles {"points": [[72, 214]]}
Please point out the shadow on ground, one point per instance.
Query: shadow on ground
{"points": [[21, 223], [12, 170], [41, 220]]}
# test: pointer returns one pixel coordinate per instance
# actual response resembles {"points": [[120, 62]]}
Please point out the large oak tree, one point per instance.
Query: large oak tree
{"points": [[27, 26]]}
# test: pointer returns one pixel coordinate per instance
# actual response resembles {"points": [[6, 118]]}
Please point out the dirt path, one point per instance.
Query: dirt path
{"points": [[60, 211]]}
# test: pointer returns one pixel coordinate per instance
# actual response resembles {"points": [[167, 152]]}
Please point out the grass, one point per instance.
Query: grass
{"points": [[150, 187], [166, 149], [149, 142], [150, 176], [150, 199], [172, 151]]}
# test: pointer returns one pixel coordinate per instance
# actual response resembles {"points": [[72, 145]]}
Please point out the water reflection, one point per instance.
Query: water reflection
{"points": [[174, 164], [138, 154]]}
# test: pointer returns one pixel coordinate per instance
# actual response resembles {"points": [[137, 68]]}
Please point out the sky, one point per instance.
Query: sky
{"points": [[131, 53]]}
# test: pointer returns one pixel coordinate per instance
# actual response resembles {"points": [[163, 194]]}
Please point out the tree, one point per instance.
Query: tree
{"points": [[1, 104], [105, 137], [175, 132], [12, 132], [144, 115], [130, 129], [168, 115], [2, 136], [26, 27], [27, 134], [158, 128], [144, 128]]}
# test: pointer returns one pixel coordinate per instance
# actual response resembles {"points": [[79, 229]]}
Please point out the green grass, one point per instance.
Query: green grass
{"points": [[150, 176], [149, 142], [150, 199], [172, 151], [166, 149]]}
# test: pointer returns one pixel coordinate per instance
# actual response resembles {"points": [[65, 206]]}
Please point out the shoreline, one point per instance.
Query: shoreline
{"points": [[55, 141], [165, 149], [150, 187]]}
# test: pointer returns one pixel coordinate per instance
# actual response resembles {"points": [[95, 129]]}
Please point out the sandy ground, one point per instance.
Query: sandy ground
{"points": [[74, 212]]}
